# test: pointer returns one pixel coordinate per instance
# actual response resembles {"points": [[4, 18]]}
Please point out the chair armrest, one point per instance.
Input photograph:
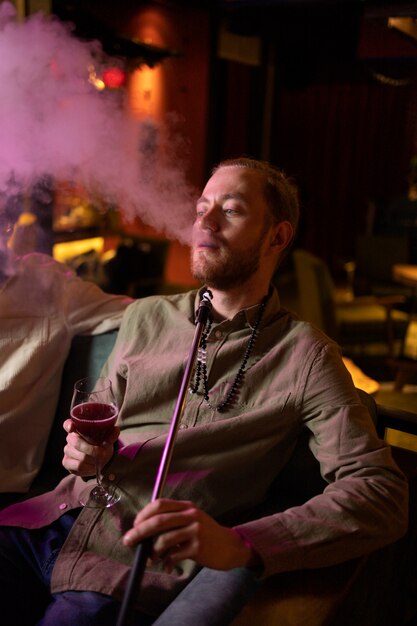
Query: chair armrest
{"points": [[389, 302], [310, 597], [398, 419], [404, 422]]}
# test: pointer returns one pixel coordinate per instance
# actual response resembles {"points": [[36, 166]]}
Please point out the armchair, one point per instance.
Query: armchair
{"points": [[375, 256], [354, 322]]}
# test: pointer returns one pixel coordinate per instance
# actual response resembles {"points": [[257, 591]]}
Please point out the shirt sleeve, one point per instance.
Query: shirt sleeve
{"points": [[87, 308], [364, 506]]}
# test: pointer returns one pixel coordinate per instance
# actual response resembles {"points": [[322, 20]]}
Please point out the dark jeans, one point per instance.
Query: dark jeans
{"points": [[27, 558], [212, 598]]}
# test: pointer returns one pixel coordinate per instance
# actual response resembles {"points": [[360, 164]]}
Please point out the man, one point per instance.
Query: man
{"points": [[262, 376], [43, 305]]}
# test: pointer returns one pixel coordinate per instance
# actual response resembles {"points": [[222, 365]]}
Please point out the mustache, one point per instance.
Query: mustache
{"points": [[208, 241]]}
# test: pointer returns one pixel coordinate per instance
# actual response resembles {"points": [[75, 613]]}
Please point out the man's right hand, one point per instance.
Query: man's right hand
{"points": [[79, 455]]}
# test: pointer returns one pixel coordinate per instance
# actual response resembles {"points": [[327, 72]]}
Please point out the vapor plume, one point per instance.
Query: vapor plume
{"points": [[55, 124]]}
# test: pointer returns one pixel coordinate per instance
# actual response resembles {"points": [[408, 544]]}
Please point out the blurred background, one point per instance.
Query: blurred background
{"points": [[326, 90]]}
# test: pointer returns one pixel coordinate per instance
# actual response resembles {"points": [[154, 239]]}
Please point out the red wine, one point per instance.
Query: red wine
{"points": [[94, 420]]}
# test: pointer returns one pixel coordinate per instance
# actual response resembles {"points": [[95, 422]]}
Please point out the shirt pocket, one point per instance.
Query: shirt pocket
{"points": [[21, 339]]}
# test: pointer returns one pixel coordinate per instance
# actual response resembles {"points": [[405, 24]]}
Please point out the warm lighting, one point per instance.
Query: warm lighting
{"points": [[114, 77], [94, 80], [406, 25], [242, 49], [68, 249], [148, 82], [146, 93], [26, 219]]}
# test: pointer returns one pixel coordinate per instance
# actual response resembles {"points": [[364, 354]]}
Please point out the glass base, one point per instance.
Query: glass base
{"points": [[99, 497]]}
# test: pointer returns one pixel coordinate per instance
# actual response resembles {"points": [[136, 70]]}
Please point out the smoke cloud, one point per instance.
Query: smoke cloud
{"points": [[54, 123]]}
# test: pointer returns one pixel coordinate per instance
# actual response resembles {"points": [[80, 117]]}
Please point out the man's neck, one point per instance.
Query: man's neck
{"points": [[226, 303]]}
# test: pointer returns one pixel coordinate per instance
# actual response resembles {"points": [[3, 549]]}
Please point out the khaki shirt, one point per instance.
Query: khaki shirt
{"points": [[226, 462], [42, 306]]}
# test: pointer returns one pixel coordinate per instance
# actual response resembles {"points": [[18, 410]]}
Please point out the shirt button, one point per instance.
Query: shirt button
{"points": [[218, 334], [183, 426], [63, 506], [111, 476]]}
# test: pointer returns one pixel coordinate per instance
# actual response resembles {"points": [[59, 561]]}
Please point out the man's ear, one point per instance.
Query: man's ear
{"points": [[283, 234]]}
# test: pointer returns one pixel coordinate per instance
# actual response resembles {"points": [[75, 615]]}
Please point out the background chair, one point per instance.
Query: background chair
{"points": [[354, 322], [405, 365], [138, 267], [375, 256]]}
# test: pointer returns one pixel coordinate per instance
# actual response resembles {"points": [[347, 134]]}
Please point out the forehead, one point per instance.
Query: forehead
{"points": [[239, 181]]}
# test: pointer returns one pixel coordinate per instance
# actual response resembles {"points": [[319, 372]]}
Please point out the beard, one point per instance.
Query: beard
{"points": [[224, 269]]}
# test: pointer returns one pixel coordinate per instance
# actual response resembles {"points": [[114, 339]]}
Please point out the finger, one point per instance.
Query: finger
{"points": [[156, 524], [69, 426], [78, 447], [78, 468], [178, 553], [161, 506], [172, 542], [165, 518], [152, 527]]}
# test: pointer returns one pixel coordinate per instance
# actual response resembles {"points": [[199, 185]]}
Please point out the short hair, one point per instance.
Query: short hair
{"points": [[281, 193]]}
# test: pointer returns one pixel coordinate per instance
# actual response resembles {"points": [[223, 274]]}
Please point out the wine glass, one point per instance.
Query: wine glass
{"points": [[94, 413]]}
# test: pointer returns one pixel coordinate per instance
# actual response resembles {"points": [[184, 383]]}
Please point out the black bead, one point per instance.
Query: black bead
{"points": [[201, 369]]}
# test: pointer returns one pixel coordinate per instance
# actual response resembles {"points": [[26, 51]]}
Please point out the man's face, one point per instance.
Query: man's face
{"points": [[230, 229]]}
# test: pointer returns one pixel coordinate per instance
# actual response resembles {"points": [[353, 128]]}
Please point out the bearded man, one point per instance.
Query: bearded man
{"points": [[262, 377]]}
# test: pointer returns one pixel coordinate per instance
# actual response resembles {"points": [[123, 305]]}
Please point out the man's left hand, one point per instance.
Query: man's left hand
{"points": [[182, 531]]}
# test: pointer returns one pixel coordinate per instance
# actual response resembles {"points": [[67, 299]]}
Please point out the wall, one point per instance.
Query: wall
{"points": [[174, 92], [339, 125]]}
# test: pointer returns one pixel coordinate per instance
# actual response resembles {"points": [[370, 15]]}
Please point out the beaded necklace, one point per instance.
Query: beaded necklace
{"points": [[201, 369]]}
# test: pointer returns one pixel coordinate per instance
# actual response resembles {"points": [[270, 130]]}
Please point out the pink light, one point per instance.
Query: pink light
{"points": [[114, 77]]}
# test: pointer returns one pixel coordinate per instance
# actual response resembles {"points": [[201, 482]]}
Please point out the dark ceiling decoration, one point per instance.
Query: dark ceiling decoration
{"points": [[307, 29], [136, 51], [381, 6], [91, 26], [391, 81]]}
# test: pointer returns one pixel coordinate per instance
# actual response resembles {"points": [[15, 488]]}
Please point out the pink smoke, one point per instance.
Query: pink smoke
{"points": [[54, 122]]}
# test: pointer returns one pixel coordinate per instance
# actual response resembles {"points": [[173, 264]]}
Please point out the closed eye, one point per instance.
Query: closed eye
{"points": [[232, 209], [201, 209]]}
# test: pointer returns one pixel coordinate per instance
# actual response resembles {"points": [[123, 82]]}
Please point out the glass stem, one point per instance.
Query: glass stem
{"points": [[98, 471]]}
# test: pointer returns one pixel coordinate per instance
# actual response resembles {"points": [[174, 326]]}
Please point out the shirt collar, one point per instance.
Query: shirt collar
{"points": [[250, 314]]}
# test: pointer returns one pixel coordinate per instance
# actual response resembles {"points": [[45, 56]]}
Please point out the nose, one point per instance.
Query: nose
{"points": [[209, 220]]}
